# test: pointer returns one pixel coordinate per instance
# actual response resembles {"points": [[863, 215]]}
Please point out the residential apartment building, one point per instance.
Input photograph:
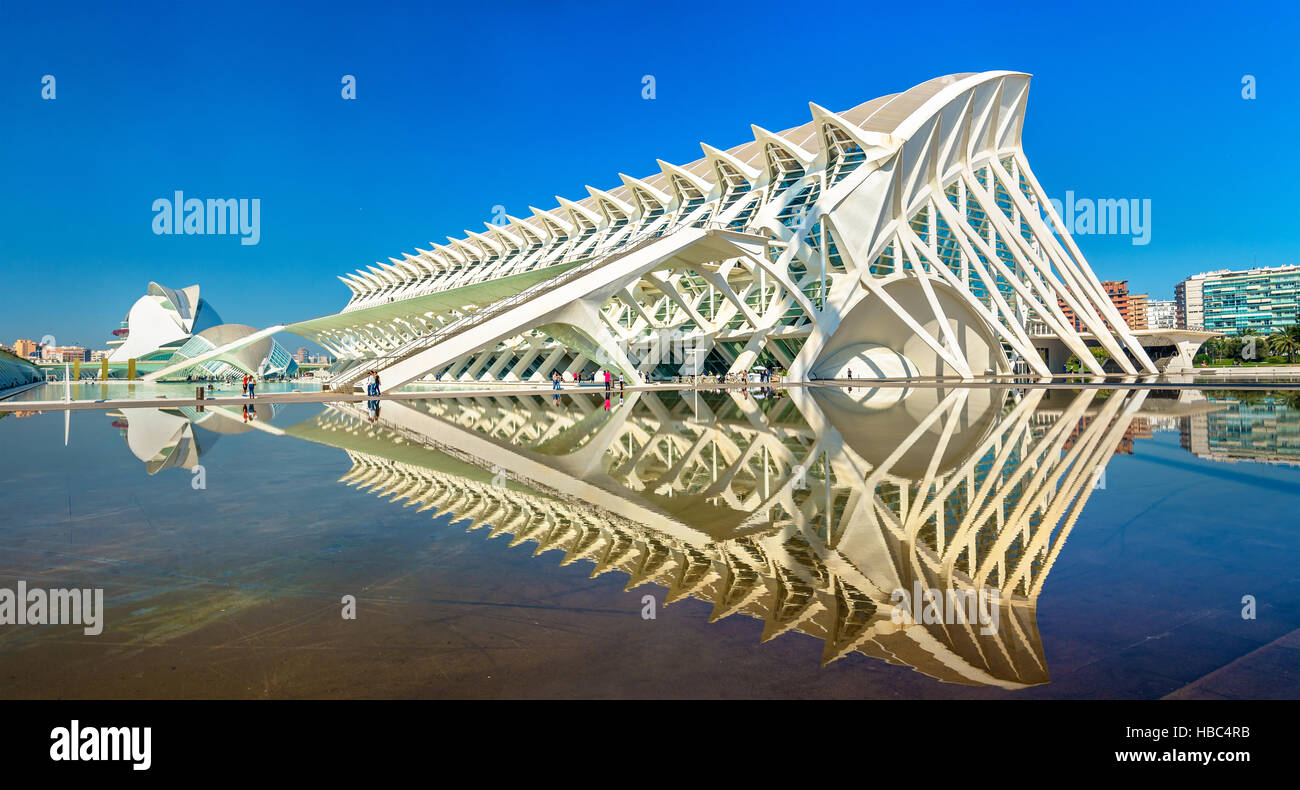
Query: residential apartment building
{"points": [[1117, 290], [1262, 300], [1162, 314], [1137, 311], [26, 348]]}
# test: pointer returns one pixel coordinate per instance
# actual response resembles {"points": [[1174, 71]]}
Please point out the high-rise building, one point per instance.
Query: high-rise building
{"points": [[1137, 311], [1162, 314], [300, 355], [1190, 302], [1117, 291], [1262, 300], [26, 348]]}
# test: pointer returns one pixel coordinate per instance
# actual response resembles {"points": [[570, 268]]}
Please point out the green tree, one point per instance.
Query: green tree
{"points": [[1232, 347], [1075, 365], [1287, 341]]}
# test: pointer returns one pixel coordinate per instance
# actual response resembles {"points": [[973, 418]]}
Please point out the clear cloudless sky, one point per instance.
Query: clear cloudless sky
{"points": [[464, 106]]}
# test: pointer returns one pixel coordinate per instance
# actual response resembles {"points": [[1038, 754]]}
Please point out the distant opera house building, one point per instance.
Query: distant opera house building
{"points": [[171, 327]]}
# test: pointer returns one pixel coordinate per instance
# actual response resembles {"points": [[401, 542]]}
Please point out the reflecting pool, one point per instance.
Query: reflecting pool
{"points": [[87, 389], [811, 542]]}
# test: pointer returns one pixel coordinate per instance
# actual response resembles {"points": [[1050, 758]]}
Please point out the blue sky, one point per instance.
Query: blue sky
{"points": [[462, 108]]}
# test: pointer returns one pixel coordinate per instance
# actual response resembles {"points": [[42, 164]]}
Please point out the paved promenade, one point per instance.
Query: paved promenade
{"points": [[503, 389]]}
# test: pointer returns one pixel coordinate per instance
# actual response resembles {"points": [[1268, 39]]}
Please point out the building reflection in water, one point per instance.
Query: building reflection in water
{"points": [[806, 509], [166, 439], [1262, 427]]}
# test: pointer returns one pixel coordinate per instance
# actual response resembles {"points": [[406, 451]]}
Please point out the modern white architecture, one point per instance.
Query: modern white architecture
{"points": [[16, 371], [180, 329], [904, 237]]}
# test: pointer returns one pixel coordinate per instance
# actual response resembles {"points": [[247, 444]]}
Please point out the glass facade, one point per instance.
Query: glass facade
{"points": [[1259, 301], [15, 371]]}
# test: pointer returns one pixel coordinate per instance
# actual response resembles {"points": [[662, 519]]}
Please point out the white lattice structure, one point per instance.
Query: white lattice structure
{"points": [[807, 513], [907, 236]]}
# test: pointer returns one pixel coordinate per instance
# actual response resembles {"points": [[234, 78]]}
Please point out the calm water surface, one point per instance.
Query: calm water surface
{"points": [[517, 547], [131, 390]]}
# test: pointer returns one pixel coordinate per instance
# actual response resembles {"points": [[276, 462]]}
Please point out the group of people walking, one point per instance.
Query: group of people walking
{"points": [[609, 383], [609, 378]]}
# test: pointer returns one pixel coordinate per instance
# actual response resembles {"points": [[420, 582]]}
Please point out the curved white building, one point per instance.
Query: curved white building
{"points": [[160, 322], [904, 237], [178, 326]]}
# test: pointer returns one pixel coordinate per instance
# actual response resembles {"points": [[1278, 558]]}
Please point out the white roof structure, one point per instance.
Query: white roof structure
{"points": [[905, 234], [161, 321], [179, 328]]}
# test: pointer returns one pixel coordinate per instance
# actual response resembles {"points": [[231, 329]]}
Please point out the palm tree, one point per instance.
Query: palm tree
{"points": [[1286, 341], [1214, 350]]}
